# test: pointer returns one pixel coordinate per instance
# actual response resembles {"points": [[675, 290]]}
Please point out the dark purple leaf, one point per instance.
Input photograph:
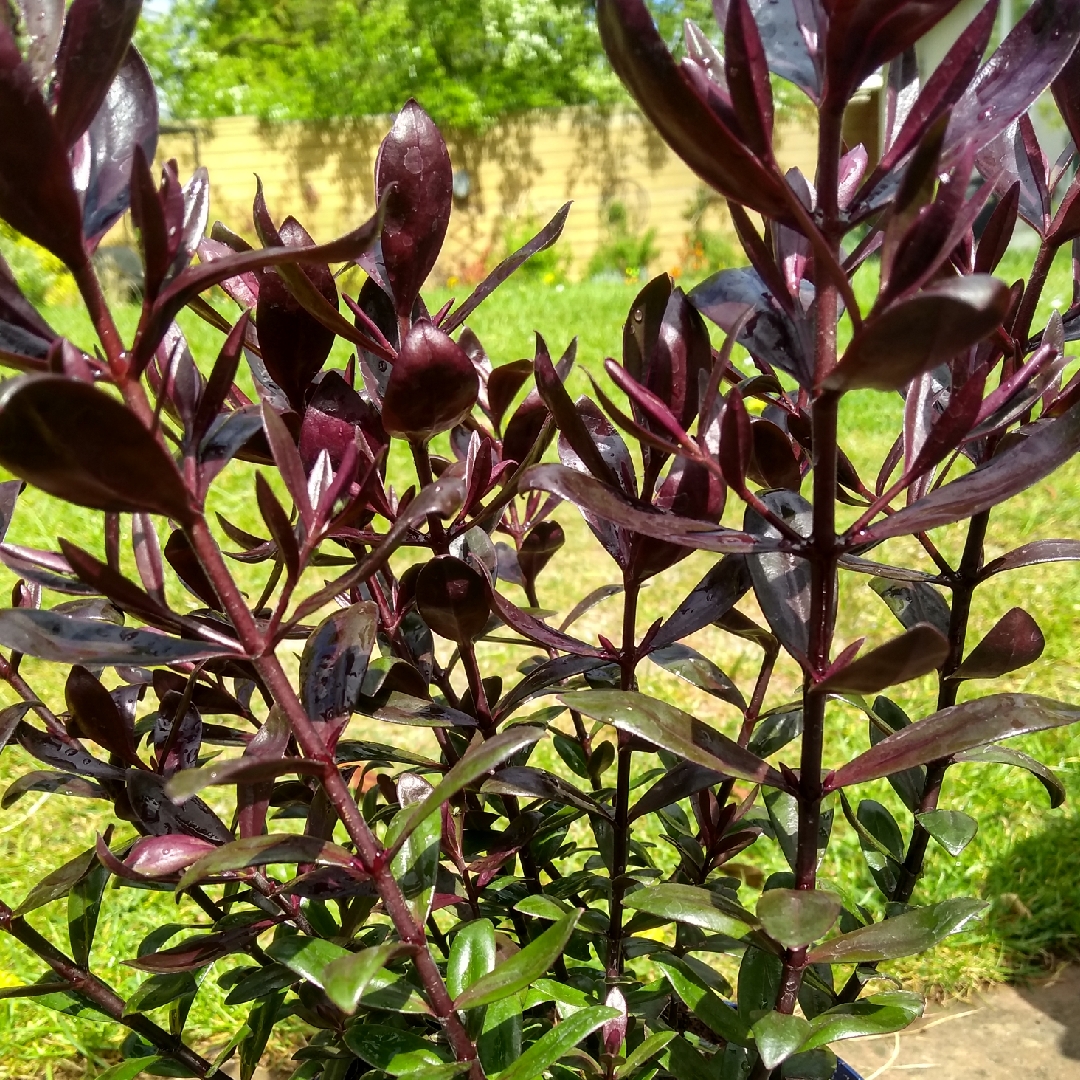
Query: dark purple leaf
{"points": [[432, 386], [535, 630], [62, 752], [914, 602], [1013, 642], [699, 671], [673, 730], [81, 445], [1049, 445], [675, 366], [1066, 90], [414, 159], [97, 716], [93, 46], [1023, 66], [953, 731], [57, 885], [452, 598], [542, 240], [240, 771], [586, 492], [294, 344], [916, 335], [682, 116], [182, 558], [746, 71], [1033, 554], [197, 279], [262, 851], [682, 782], [278, 524], [998, 232], [50, 635], [401, 708], [773, 463], [198, 951], [769, 334], [157, 814], [22, 330], [52, 783], [782, 581], [335, 660], [915, 653], [712, 598], [785, 34], [530, 783], [503, 384], [542, 678], [287, 459], [128, 117], [537, 548], [36, 193]]}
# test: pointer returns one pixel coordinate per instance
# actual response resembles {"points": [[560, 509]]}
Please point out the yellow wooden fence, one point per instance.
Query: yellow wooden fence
{"points": [[521, 170]]}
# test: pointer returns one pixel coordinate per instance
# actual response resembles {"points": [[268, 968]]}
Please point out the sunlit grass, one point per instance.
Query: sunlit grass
{"points": [[1022, 860]]}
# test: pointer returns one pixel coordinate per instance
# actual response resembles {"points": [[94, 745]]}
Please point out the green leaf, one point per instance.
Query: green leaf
{"points": [[472, 955], [523, 968], [260, 981], [264, 851], [499, 1044], [308, 957], [415, 864], [242, 770], [689, 904], [646, 1050], [560, 1040], [759, 983], [160, 990], [260, 1023], [436, 1072], [672, 729], [778, 1037], [392, 1050], [718, 1016], [817, 1064], [683, 1061], [797, 917], [59, 883], [913, 932], [542, 906], [394, 993], [879, 1014], [128, 1070], [479, 759], [568, 999], [346, 978], [952, 829], [84, 907]]}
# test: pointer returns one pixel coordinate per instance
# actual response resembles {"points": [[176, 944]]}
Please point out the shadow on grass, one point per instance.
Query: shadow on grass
{"points": [[1034, 890]]}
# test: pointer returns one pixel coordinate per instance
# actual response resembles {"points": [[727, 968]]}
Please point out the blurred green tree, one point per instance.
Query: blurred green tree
{"points": [[469, 62]]}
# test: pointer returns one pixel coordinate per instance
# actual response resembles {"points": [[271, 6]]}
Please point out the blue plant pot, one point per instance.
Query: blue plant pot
{"points": [[845, 1072]]}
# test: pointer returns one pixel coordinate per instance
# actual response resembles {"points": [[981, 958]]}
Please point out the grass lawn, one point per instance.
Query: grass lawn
{"points": [[1024, 858]]}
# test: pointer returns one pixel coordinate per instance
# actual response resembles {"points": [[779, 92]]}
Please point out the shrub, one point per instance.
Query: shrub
{"points": [[623, 252], [494, 908]]}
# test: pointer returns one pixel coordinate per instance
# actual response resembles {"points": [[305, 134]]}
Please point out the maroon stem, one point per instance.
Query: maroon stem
{"points": [[369, 850], [621, 825], [103, 996]]}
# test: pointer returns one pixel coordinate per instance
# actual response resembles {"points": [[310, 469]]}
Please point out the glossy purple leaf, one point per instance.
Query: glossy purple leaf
{"points": [[914, 602], [1004, 755], [541, 678], [1014, 641], [769, 334], [199, 950], [917, 652], [335, 660], [63, 752], [1010, 82], [66, 639], [541, 241], [1066, 90], [160, 856], [712, 598], [684, 119], [1049, 445], [538, 547], [294, 344], [452, 598], [37, 196], [1033, 554], [23, 332], [530, 783], [52, 783], [673, 730], [279, 526], [93, 46], [952, 731], [158, 815], [240, 771], [432, 386], [535, 630], [128, 117], [861, 37], [97, 716], [918, 334], [782, 581], [682, 782], [785, 32], [414, 159], [81, 445], [699, 671], [747, 74], [590, 494], [503, 384]]}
